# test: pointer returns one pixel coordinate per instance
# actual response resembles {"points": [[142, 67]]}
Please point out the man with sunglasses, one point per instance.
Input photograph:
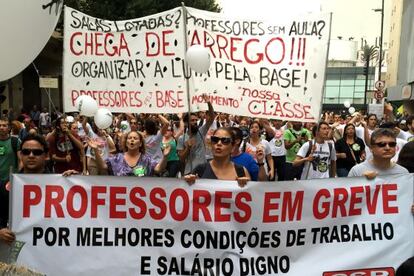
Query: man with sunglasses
{"points": [[34, 153], [383, 148]]}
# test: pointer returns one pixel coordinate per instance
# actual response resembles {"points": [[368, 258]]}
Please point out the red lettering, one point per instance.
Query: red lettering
{"points": [[240, 202], [289, 209], [387, 198], [185, 206], [246, 56], [355, 199], [54, 196], [325, 205], [83, 201], [155, 198], [134, 196], [95, 200], [268, 206], [72, 44], [201, 201], [219, 205], [114, 201], [29, 200], [339, 200]]}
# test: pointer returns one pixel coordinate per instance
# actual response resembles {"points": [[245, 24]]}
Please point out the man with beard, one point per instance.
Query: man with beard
{"points": [[191, 148]]}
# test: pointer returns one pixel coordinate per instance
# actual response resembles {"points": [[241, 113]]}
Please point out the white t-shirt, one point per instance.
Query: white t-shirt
{"points": [[406, 135], [250, 149], [153, 146], [319, 167], [277, 144]]}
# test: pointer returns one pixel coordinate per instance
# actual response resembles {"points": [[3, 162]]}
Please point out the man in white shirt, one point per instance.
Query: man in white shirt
{"points": [[318, 155]]}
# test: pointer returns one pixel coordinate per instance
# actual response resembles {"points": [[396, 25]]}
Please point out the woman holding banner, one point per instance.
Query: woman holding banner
{"points": [[220, 167], [133, 162]]}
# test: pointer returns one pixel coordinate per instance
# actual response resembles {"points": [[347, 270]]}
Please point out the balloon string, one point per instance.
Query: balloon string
{"points": [[47, 90]]}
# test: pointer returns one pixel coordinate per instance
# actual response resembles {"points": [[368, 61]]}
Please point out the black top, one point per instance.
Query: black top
{"points": [[342, 147], [205, 171]]}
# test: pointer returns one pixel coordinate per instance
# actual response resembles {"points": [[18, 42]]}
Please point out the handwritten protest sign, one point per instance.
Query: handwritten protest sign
{"points": [[258, 68], [155, 226]]}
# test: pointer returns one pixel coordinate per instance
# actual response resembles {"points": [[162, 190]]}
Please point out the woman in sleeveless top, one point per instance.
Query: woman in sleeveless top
{"points": [[220, 167]]}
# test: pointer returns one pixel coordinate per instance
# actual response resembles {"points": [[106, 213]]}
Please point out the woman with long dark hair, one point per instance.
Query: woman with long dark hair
{"points": [[350, 150], [220, 167]]}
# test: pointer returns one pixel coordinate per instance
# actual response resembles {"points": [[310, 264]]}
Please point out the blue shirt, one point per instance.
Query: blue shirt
{"points": [[246, 160]]}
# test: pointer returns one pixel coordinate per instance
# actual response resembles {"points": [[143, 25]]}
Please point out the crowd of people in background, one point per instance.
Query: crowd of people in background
{"points": [[172, 145], [205, 144]]}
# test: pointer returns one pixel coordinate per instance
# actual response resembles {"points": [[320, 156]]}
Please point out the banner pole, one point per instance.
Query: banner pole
{"points": [[187, 82], [326, 67]]}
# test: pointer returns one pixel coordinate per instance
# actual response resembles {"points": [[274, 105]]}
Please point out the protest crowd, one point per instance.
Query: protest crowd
{"points": [[203, 145]]}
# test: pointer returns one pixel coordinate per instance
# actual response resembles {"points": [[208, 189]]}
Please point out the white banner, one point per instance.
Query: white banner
{"points": [[261, 69], [157, 226]]}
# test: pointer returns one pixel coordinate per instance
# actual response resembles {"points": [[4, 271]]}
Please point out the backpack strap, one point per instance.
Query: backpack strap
{"points": [[310, 148]]}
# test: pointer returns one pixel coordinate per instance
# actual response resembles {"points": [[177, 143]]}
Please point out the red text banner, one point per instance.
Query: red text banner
{"points": [[159, 226], [258, 68]]}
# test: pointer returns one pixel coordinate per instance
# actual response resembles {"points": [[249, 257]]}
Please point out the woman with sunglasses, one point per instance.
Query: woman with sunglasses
{"points": [[135, 161], [350, 150], [220, 167]]}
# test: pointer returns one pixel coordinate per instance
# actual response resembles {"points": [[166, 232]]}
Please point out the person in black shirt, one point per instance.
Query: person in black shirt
{"points": [[350, 150], [220, 167]]}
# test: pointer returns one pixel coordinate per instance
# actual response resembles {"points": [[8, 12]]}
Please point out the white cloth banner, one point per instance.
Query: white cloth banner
{"points": [[156, 226], [258, 68]]}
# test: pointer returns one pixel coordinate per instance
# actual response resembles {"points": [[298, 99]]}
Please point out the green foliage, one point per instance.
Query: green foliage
{"points": [[369, 53], [128, 9]]}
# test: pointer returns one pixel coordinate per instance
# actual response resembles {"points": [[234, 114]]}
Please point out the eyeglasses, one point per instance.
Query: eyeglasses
{"points": [[36, 152], [224, 140], [383, 144]]}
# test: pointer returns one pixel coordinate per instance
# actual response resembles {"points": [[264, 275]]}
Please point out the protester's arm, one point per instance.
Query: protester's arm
{"points": [[160, 167], [100, 163], [388, 111], [111, 144], [180, 130], [85, 126], [210, 114], [367, 137], [75, 140], [267, 127], [299, 160], [164, 124]]}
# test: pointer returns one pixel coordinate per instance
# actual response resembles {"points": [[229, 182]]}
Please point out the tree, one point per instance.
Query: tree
{"points": [[369, 53], [128, 9]]}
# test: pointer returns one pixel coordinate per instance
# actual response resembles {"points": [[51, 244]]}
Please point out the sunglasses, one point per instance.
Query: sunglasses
{"points": [[36, 152], [224, 140], [383, 144]]}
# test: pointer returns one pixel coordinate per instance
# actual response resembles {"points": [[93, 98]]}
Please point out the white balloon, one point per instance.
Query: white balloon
{"points": [[25, 28], [77, 101], [103, 118], [347, 104], [198, 58], [70, 119], [87, 106], [351, 110]]}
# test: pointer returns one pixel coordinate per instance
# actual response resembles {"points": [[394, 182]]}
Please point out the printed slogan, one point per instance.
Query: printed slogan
{"points": [[149, 226], [258, 68]]}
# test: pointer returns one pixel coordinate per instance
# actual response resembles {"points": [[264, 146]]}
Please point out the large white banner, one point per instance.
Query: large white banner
{"points": [[157, 226], [262, 69]]}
